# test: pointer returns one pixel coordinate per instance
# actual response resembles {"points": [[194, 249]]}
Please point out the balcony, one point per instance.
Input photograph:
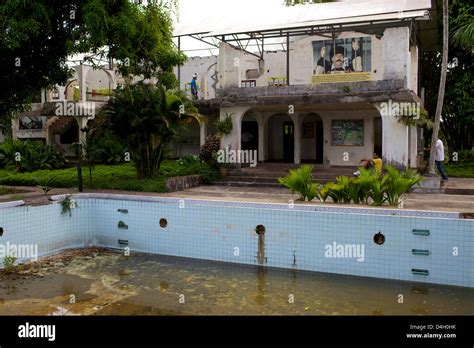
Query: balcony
{"points": [[330, 93]]}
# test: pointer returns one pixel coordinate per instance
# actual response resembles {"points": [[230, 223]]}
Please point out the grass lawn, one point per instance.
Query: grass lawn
{"points": [[118, 177], [461, 170]]}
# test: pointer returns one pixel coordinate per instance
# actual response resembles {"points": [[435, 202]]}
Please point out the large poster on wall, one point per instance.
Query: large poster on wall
{"points": [[347, 133], [342, 60]]}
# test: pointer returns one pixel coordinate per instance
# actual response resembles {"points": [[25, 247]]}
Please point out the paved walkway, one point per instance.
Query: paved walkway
{"points": [[435, 202]]}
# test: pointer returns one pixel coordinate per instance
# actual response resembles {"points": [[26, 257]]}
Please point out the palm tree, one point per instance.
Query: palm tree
{"points": [[148, 118], [442, 84], [463, 32]]}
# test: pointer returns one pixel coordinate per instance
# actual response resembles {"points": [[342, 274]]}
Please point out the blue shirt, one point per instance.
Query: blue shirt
{"points": [[194, 87]]}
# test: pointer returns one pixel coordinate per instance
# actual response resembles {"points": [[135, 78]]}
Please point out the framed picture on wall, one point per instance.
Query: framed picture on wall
{"points": [[347, 133], [308, 130]]}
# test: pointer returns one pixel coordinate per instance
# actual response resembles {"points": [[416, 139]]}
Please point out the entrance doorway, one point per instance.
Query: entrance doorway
{"points": [[288, 142], [319, 142]]}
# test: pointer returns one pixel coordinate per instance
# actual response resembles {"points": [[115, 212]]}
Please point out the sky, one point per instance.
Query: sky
{"points": [[206, 12]]}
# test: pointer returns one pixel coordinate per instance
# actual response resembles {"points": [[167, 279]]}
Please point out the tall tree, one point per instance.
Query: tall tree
{"points": [[457, 126], [38, 36], [442, 84], [147, 117]]}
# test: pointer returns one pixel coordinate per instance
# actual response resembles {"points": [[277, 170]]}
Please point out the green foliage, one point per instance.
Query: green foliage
{"points": [[300, 181], [225, 126], [457, 126], [9, 263], [369, 187], [31, 156], [208, 152], [47, 184], [148, 118], [463, 30], [67, 205], [118, 177], [398, 183], [42, 34], [460, 170]]}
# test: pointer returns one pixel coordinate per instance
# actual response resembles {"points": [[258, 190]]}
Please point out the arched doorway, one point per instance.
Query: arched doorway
{"points": [[249, 132], [312, 139], [281, 138]]}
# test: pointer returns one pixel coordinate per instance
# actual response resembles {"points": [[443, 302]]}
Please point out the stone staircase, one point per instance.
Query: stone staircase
{"points": [[266, 175]]}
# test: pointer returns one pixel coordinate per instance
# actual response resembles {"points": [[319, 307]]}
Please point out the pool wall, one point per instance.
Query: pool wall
{"points": [[427, 247]]}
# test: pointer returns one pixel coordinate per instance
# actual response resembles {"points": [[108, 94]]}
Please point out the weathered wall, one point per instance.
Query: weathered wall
{"points": [[206, 68]]}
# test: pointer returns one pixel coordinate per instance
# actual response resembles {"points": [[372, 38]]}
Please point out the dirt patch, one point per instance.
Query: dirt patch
{"points": [[43, 265]]}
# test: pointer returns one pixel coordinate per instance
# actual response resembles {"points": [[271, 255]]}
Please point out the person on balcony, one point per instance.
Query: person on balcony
{"points": [[194, 87]]}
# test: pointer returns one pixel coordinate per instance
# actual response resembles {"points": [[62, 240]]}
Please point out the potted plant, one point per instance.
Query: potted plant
{"points": [[224, 127]]}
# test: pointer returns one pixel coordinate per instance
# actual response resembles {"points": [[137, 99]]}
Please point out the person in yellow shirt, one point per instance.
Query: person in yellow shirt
{"points": [[378, 164], [374, 163]]}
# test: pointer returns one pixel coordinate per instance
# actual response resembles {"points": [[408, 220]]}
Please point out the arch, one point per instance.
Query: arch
{"points": [[249, 132], [312, 138], [280, 138]]}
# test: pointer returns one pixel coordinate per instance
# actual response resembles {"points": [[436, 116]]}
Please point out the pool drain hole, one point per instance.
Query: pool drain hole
{"points": [[260, 229], [379, 238], [163, 223]]}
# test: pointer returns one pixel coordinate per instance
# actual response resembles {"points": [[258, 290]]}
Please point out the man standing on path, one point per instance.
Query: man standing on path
{"points": [[440, 159]]}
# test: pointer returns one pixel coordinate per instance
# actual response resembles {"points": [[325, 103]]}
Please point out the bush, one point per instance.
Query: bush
{"points": [[225, 126], [112, 150], [208, 152], [369, 187], [31, 156], [300, 181]]}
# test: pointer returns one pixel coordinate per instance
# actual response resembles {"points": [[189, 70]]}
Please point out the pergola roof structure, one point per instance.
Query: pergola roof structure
{"points": [[314, 19], [326, 19]]}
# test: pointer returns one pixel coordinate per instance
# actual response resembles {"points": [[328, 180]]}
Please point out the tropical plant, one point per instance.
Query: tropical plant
{"points": [[301, 181], [67, 204], [463, 31], [148, 118], [135, 35], [225, 126], [47, 184], [397, 183], [377, 193], [441, 91], [29, 156], [9, 263]]}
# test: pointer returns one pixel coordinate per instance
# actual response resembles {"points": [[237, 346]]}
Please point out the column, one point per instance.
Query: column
{"points": [[297, 137]]}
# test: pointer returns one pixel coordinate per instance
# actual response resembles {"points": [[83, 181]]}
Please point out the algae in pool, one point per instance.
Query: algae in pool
{"points": [[105, 282]]}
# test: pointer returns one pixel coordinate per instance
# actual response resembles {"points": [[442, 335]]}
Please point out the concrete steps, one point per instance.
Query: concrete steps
{"points": [[268, 177]]}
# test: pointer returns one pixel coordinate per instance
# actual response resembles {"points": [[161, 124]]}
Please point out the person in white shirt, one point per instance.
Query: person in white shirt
{"points": [[439, 159]]}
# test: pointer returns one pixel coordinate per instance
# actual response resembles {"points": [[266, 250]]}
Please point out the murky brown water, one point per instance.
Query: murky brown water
{"points": [[108, 283]]}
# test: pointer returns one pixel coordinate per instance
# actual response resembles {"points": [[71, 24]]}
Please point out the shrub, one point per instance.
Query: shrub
{"points": [[398, 183], [300, 181], [208, 152], [9, 263], [225, 126], [369, 186], [32, 155]]}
